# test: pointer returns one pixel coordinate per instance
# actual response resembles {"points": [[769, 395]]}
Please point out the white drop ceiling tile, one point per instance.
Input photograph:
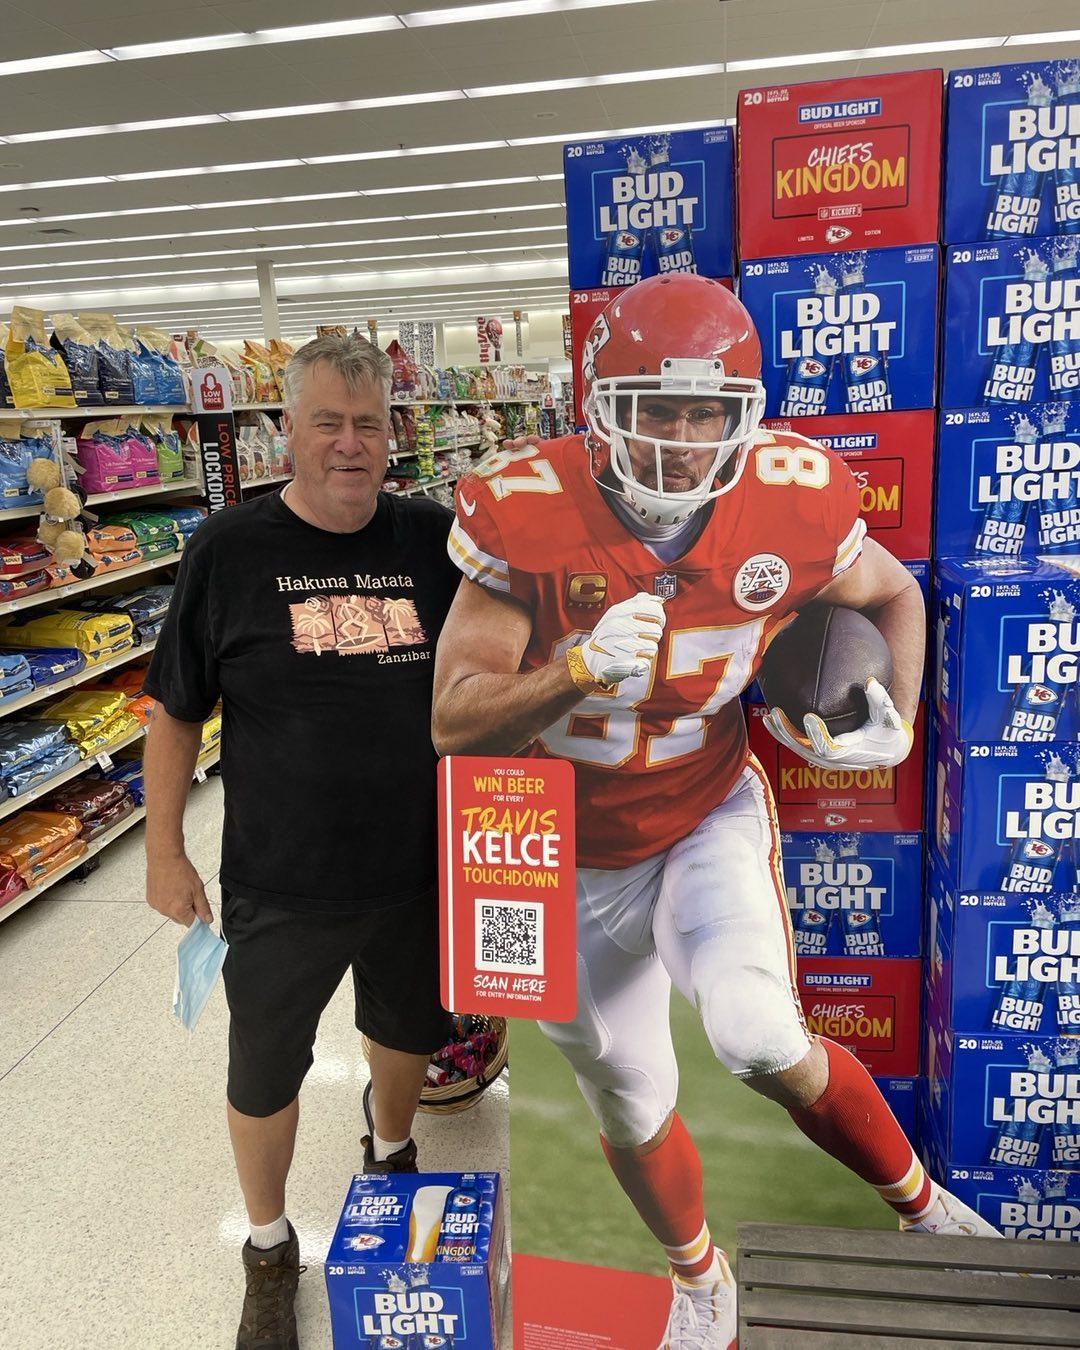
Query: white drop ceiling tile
{"points": [[468, 51], [598, 24], [247, 15], [773, 28], [175, 22], [61, 13], [675, 44]]}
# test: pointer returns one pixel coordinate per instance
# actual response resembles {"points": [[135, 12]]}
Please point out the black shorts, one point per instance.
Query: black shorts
{"points": [[284, 966]]}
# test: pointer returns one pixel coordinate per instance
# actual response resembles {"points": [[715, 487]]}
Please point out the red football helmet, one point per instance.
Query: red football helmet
{"points": [[680, 336]]}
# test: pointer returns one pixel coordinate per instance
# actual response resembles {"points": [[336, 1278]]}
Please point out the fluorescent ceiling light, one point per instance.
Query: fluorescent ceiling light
{"points": [[348, 105], [1032, 39], [58, 61], [864, 53], [593, 81], [293, 308]]}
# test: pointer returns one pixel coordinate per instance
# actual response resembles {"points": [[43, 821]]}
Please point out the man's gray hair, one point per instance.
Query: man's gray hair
{"points": [[358, 361]]}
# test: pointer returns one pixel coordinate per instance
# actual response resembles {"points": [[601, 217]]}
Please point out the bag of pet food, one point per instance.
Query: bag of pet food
{"points": [[81, 358], [158, 348], [35, 371]]}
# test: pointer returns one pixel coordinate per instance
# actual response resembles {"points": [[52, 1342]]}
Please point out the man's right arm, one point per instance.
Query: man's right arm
{"points": [[484, 704], [173, 886]]}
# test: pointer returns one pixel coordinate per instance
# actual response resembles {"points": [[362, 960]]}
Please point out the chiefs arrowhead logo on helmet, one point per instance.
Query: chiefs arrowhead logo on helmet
{"points": [[679, 337]]}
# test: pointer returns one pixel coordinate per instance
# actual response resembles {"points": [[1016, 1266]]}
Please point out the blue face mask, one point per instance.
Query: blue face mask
{"points": [[199, 959]]}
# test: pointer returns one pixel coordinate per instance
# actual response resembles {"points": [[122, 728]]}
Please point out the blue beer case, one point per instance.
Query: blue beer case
{"points": [[1013, 151], [1008, 481], [1001, 1100], [1002, 962], [854, 894], [418, 1263], [1007, 634], [1011, 323], [1006, 814], [846, 332], [641, 206]]}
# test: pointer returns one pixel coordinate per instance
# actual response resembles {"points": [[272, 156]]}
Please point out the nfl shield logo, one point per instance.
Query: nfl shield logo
{"points": [[664, 586]]}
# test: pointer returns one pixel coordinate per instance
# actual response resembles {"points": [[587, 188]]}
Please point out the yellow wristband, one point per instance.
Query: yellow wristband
{"points": [[580, 673]]}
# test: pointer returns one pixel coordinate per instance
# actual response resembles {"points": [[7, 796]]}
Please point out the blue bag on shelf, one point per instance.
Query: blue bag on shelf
{"points": [[23, 742], [14, 669], [50, 664], [27, 777]]}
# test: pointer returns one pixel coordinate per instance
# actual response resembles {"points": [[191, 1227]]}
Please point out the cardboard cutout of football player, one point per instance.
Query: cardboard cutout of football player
{"points": [[620, 591]]}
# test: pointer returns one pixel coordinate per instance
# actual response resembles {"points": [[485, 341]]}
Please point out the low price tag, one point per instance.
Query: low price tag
{"points": [[508, 887]]}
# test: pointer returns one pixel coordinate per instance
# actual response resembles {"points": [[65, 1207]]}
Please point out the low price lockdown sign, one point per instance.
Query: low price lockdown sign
{"points": [[507, 887]]}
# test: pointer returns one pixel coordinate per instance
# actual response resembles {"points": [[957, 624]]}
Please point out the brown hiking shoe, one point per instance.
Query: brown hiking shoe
{"points": [[268, 1321]]}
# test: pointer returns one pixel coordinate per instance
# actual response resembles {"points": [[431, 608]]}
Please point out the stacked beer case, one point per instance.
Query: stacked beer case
{"points": [[839, 201], [642, 206], [1001, 1110]]}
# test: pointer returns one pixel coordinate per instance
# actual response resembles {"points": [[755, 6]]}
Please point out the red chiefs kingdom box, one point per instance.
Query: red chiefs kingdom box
{"points": [[810, 798], [892, 458], [840, 164], [870, 1007], [584, 307]]}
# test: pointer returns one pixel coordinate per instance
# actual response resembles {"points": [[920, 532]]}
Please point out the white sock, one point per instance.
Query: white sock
{"points": [[269, 1235], [382, 1148]]}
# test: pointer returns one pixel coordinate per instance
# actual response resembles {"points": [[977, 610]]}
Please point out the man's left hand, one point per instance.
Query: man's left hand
{"points": [[883, 740], [520, 442]]}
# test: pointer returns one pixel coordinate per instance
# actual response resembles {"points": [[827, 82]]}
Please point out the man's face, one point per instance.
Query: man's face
{"points": [[683, 424], [340, 439]]}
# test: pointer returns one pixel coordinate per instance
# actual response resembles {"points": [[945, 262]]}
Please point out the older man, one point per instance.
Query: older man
{"points": [[313, 615]]}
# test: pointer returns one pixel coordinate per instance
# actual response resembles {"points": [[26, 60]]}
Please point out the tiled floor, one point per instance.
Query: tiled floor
{"points": [[120, 1217]]}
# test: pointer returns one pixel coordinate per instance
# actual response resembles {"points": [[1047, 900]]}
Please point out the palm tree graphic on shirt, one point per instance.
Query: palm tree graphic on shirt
{"points": [[351, 624]]}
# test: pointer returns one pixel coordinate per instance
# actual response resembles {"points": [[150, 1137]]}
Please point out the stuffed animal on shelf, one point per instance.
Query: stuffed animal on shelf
{"points": [[60, 528]]}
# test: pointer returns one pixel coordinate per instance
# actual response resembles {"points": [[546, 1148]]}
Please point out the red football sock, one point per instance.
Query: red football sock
{"points": [[665, 1187], [851, 1121]]}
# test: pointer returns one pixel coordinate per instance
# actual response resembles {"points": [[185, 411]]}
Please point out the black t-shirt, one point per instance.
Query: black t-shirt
{"points": [[321, 647]]}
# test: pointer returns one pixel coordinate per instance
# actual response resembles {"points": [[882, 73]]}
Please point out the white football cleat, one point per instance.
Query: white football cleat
{"points": [[950, 1217], [702, 1317]]}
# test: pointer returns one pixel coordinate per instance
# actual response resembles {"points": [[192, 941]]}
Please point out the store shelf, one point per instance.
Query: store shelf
{"points": [[453, 402], [91, 584], [7, 707], [258, 407], [265, 482], [422, 487], [94, 414], [100, 843], [104, 498], [13, 805]]}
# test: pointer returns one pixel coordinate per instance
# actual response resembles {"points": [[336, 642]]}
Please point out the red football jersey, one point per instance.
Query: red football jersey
{"points": [[655, 756]]}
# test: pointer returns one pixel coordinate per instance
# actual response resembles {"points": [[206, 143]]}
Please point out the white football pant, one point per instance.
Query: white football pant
{"points": [[710, 916]]}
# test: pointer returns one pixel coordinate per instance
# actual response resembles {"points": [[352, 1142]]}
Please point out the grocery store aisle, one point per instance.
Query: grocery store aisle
{"points": [[120, 1216]]}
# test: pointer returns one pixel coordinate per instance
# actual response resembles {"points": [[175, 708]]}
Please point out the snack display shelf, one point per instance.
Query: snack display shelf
{"points": [[91, 583], [101, 842], [80, 677], [258, 407], [102, 412], [16, 804], [423, 486], [265, 482], [104, 498], [453, 402]]}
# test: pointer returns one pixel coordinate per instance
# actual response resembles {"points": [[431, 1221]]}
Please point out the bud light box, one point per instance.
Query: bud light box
{"points": [[1003, 1100], [417, 1262], [869, 1007], [1009, 481], [640, 206], [846, 332], [1007, 814], [891, 456], [1008, 650], [901, 1094], [1020, 1204], [812, 798], [854, 894], [1013, 151], [1012, 323], [851, 163], [1003, 961]]}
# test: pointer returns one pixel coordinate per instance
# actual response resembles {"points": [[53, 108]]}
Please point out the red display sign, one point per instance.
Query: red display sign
{"points": [[840, 164], [870, 1007], [811, 798], [508, 887], [892, 458]]}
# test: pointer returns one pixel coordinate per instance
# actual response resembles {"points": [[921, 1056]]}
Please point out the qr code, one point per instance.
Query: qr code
{"points": [[510, 936]]}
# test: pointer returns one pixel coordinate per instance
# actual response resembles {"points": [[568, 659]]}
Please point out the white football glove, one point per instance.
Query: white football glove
{"points": [[625, 640], [884, 739]]}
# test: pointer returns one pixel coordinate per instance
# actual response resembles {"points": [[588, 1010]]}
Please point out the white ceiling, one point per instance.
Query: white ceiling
{"points": [[434, 232]]}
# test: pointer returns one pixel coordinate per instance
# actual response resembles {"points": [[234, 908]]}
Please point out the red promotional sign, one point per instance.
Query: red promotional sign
{"points": [[508, 887], [840, 164], [811, 798], [869, 1007], [892, 458]]}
